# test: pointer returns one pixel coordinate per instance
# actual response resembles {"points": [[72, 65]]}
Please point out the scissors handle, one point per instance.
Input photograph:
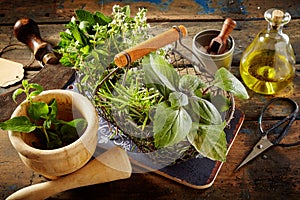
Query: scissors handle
{"points": [[290, 118]]}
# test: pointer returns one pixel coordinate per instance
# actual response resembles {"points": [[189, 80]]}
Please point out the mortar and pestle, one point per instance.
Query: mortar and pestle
{"points": [[111, 165]]}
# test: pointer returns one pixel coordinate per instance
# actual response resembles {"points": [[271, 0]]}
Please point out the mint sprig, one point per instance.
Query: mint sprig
{"points": [[42, 118]]}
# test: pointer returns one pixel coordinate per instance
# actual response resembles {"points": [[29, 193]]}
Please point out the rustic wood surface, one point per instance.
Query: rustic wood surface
{"points": [[276, 175]]}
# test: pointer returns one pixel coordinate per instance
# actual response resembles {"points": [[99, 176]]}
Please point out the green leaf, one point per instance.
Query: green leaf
{"points": [[80, 124], [178, 99], [54, 140], [126, 10], [170, 126], [84, 15], [102, 19], [228, 82], [38, 110], [207, 111], [18, 124], [160, 73], [17, 93], [221, 103], [47, 123], [209, 140], [189, 83], [68, 133], [78, 34], [52, 113]]}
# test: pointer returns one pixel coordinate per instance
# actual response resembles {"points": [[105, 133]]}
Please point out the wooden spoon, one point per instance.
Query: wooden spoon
{"points": [[218, 44], [112, 165]]}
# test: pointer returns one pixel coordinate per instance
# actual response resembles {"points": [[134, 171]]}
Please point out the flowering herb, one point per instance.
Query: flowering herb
{"points": [[87, 31], [42, 120]]}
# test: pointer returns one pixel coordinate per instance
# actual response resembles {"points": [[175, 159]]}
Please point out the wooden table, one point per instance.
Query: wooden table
{"points": [[276, 175]]}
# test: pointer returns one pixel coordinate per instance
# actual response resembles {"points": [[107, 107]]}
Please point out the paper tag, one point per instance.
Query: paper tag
{"points": [[10, 72]]}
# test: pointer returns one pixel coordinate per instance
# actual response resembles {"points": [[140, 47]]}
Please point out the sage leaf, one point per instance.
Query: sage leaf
{"points": [[228, 82], [170, 126], [209, 140], [160, 73], [18, 124]]}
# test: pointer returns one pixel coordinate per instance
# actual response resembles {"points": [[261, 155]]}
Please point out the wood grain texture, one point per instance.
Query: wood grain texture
{"points": [[273, 176], [159, 10]]}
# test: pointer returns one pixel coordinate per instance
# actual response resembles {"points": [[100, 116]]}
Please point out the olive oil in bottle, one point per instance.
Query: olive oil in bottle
{"points": [[267, 65]]}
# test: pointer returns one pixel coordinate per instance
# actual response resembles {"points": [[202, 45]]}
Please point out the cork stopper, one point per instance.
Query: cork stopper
{"points": [[277, 16]]}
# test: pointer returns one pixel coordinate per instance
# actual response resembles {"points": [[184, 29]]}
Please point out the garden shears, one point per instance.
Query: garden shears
{"points": [[267, 140]]}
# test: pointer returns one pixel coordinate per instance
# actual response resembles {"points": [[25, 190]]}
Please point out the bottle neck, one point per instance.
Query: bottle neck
{"points": [[275, 28]]}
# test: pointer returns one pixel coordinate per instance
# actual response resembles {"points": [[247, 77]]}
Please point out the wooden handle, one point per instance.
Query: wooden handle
{"points": [[227, 28], [112, 165], [148, 46], [27, 31]]}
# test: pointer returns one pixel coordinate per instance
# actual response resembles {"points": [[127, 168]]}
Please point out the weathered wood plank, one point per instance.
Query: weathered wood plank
{"points": [[158, 10], [243, 35], [273, 176]]}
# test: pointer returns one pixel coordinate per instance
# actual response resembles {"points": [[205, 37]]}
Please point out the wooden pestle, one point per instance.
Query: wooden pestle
{"points": [[112, 165], [144, 48], [219, 43], [27, 31]]}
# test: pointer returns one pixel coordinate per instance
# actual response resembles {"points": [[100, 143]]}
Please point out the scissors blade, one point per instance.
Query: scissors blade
{"points": [[262, 145]]}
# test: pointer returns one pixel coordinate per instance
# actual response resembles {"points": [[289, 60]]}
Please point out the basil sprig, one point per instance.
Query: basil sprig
{"points": [[186, 113]]}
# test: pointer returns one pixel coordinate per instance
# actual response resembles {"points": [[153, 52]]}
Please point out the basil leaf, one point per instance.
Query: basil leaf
{"points": [[207, 111], [178, 99], [38, 110], [170, 126], [189, 83], [160, 73], [209, 140], [228, 82], [221, 103], [18, 124]]}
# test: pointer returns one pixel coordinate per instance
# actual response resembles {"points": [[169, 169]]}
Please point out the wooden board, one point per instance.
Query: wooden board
{"points": [[159, 10]]}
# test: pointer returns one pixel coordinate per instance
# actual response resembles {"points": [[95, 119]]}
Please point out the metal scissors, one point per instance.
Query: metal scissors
{"points": [[266, 141]]}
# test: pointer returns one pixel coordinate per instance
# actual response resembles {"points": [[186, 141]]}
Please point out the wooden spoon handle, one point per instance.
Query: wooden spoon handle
{"points": [[227, 28], [148, 46], [27, 31], [112, 165]]}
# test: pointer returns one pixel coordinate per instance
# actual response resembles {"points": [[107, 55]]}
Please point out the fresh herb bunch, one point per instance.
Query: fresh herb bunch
{"points": [[87, 31], [42, 120], [153, 97], [179, 108]]}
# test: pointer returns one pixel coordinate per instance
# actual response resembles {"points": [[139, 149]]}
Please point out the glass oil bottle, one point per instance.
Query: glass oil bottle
{"points": [[268, 63]]}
